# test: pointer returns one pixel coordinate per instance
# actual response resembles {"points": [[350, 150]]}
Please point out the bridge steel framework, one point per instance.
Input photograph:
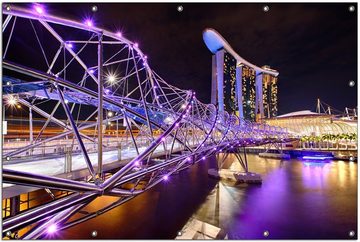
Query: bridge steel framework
{"points": [[118, 79]]}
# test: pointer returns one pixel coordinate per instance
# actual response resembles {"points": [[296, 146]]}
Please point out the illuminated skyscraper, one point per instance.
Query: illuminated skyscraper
{"points": [[248, 92], [239, 87], [270, 91], [230, 103]]}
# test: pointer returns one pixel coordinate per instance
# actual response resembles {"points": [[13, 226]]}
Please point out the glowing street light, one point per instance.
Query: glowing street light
{"points": [[88, 22], [39, 9], [11, 101], [111, 79], [69, 45], [52, 229], [110, 114]]}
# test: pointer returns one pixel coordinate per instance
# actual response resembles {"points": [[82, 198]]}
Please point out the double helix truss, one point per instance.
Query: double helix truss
{"points": [[82, 80]]}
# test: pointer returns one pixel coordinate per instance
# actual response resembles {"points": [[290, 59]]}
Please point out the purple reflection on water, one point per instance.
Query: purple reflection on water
{"points": [[296, 200]]}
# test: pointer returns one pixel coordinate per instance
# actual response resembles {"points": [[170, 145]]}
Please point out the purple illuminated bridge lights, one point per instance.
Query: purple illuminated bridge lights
{"points": [[39, 9], [195, 131]]}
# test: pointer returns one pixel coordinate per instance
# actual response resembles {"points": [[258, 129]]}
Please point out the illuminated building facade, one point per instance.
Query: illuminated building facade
{"points": [[230, 94], [238, 86], [270, 94], [248, 92]]}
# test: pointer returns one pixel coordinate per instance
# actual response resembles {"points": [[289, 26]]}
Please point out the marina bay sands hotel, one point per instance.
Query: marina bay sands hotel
{"points": [[238, 86]]}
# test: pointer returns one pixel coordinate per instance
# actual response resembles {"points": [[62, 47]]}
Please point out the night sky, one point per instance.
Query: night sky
{"points": [[313, 46]]}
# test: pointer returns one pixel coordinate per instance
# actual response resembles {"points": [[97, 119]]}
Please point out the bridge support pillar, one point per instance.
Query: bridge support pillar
{"points": [[119, 151], [14, 205], [68, 159], [238, 176]]}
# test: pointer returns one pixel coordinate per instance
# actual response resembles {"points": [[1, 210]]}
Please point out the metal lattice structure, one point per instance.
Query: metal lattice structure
{"points": [[82, 79]]}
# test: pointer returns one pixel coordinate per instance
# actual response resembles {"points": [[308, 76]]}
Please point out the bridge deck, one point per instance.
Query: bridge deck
{"points": [[55, 166]]}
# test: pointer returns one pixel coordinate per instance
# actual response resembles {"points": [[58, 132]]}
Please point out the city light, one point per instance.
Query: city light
{"points": [[166, 177], [111, 78], [88, 22], [69, 45], [308, 157], [119, 34], [52, 229], [11, 101], [110, 114], [136, 45], [39, 9]]}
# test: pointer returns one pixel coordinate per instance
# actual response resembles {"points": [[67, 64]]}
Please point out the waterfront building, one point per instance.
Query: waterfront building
{"points": [[238, 86], [307, 123], [270, 94]]}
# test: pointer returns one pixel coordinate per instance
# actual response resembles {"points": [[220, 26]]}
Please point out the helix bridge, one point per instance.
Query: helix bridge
{"points": [[79, 78]]}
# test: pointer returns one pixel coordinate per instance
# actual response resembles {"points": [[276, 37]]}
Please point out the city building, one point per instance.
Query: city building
{"points": [[313, 124], [248, 92], [238, 86], [270, 94], [230, 95]]}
